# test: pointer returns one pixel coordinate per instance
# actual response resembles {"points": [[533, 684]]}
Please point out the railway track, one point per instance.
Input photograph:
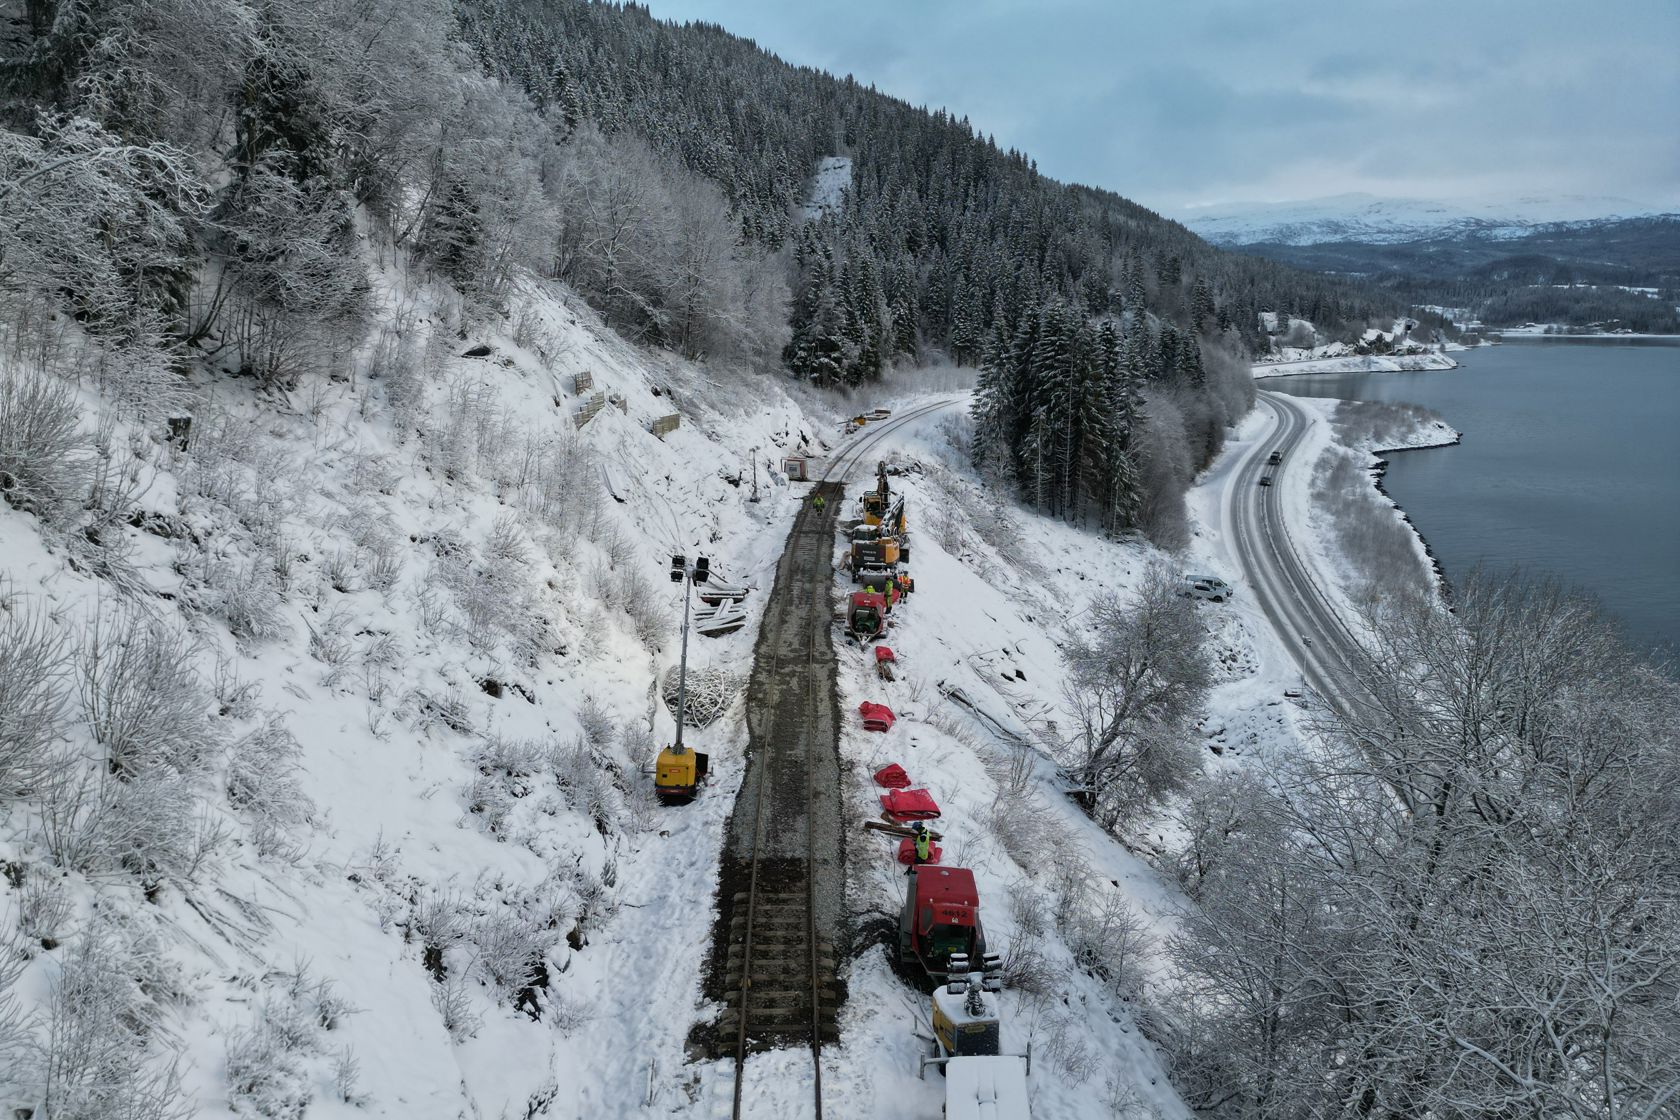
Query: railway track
{"points": [[840, 466], [774, 951]]}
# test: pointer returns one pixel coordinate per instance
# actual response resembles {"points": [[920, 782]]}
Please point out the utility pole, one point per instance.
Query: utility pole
{"points": [[688, 575], [755, 472]]}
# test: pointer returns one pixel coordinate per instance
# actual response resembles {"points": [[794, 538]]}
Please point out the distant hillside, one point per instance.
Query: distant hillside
{"points": [[1370, 220], [1501, 266]]}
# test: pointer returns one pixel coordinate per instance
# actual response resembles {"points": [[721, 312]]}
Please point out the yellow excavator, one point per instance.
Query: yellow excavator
{"points": [[879, 509]]}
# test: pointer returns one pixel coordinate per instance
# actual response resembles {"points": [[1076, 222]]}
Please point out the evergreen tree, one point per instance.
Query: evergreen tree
{"points": [[1058, 382]]}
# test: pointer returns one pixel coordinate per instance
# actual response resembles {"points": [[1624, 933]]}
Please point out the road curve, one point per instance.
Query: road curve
{"points": [[1286, 587]]}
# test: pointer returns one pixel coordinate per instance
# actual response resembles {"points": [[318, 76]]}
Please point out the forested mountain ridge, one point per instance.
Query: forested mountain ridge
{"points": [[958, 232], [656, 169], [944, 242]]}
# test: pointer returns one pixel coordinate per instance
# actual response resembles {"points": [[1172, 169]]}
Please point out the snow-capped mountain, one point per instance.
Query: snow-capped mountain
{"points": [[1386, 221]]}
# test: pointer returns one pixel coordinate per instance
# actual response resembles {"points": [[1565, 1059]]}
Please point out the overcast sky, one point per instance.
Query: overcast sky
{"points": [[1178, 103]]}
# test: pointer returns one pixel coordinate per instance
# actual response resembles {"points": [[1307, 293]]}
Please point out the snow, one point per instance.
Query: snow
{"points": [[1355, 363], [1375, 220], [405, 814], [410, 810], [828, 188]]}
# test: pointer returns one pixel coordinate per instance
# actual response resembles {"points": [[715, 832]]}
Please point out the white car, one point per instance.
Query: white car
{"points": [[1211, 588]]}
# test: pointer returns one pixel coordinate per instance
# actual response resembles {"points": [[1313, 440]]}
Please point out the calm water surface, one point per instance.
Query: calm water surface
{"points": [[1570, 467]]}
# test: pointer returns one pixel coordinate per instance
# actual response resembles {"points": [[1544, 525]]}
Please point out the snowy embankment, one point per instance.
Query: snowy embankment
{"points": [[1356, 363], [390, 643], [828, 188], [1360, 540]]}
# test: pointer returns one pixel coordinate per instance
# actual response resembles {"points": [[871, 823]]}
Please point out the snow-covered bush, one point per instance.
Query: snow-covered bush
{"points": [[508, 949], [103, 1051], [1377, 542], [264, 1075], [261, 779], [243, 594], [16, 1054], [1110, 940], [626, 589], [43, 456], [143, 700], [44, 908], [452, 998], [267, 1061], [1217, 813], [149, 826], [35, 676]]}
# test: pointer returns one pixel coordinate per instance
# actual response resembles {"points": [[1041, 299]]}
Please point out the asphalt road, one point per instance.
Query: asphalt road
{"points": [[1282, 578]]}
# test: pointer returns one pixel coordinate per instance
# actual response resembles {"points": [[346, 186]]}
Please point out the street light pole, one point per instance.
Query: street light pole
{"points": [[688, 575], [682, 673]]}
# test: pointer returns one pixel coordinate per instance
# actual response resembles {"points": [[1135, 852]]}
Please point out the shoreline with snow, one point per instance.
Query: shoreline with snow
{"points": [[1355, 363], [1379, 471], [1365, 434]]}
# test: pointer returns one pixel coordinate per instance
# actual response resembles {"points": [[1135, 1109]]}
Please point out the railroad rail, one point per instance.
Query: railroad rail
{"points": [[783, 857], [782, 957]]}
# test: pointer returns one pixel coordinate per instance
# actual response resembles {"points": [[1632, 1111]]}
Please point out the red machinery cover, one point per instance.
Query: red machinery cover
{"points": [[910, 805], [883, 653], [907, 851], [876, 717], [892, 776], [950, 893]]}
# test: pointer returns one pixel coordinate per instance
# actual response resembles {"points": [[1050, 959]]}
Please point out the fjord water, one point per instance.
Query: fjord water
{"points": [[1570, 467]]}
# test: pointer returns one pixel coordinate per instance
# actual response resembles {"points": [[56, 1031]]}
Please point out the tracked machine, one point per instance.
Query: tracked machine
{"points": [[882, 509], [866, 615], [940, 920]]}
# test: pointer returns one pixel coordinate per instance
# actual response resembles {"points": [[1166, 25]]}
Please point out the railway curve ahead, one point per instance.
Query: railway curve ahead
{"points": [[780, 926]]}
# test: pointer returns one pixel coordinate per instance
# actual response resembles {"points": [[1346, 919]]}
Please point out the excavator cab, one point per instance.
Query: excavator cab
{"points": [[678, 774], [875, 501]]}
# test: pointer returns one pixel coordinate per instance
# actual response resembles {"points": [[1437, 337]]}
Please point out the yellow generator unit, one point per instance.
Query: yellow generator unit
{"points": [[678, 774]]}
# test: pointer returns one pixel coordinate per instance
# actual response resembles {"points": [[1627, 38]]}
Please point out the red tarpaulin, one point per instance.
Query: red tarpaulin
{"points": [[910, 805], [907, 851], [876, 717], [893, 777], [882, 653]]}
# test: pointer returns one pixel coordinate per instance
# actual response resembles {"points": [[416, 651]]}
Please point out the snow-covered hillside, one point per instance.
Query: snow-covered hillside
{"points": [[345, 707], [1382, 221], [348, 696]]}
